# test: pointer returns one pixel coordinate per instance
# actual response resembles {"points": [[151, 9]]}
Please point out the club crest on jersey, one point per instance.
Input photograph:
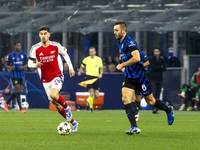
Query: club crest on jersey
{"points": [[41, 54], [16, 82], [18, 59], [131, 44]]}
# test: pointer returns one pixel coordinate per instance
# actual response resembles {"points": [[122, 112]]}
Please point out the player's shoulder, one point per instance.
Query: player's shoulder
{"points": [[23, 52], [98, 58], [35, 46], [55, 43], [87, 58], [130, 41]]}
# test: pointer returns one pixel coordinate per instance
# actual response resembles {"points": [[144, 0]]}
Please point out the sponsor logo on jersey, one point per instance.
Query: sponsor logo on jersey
{"points": [[52, 52], [131, 44]]}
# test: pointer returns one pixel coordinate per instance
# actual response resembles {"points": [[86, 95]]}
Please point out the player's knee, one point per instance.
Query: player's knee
{"points": [[54, 96], [151, 102], [125, 100]]}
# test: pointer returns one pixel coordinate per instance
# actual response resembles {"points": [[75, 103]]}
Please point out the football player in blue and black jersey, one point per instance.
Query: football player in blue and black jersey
{"points": [[16, 62], [135, 78]]}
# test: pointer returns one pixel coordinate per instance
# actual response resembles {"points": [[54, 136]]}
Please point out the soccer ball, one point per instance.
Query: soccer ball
{"points": [[25, 105], [64, 128]]}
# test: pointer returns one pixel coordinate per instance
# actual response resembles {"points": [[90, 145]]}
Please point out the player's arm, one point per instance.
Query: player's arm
{"points": [[81, 70], [24, 67], [63, 52], [32, 63], [101, 69], [7, 66], [101, 73], [146, 63], [135, 59], [193, 81]]}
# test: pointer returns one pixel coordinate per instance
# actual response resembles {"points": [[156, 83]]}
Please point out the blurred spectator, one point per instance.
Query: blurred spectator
{"points": [[109, 60], [105, 68], [112, 68], [186, 91], [117, 61], [156, 67], [3, 61]]}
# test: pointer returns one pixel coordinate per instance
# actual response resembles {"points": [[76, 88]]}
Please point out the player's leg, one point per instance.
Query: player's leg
{"points": [[138, 100], [90, 97], [17, 93], [184, 101], [53, 89], [145, 88], [161, 105], [128, 95], [65, 110], [7, 96]]}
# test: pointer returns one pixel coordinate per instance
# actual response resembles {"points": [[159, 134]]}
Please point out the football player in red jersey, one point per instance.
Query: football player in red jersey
{"points": [[45, 57]]}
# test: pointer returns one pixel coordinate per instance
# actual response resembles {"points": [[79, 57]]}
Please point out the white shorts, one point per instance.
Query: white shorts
{"points": [[55, 83]]}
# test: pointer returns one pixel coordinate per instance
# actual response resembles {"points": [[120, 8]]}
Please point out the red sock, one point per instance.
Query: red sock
{"points": [[62, 101], [196, 103], [184, 101], [63, 113], [72, 120]]}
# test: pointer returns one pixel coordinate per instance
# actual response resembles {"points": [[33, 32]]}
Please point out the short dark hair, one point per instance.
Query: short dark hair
{"points": [[122, 25], [16, 42], [44, 27], [92, 47]]}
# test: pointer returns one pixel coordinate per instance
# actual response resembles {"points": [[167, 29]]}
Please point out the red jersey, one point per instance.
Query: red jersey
{"points": [[49, 56]]}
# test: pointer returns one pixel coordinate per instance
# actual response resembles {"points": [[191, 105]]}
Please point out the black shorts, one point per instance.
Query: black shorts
{"points": [[16, 81], [94, 85], [141, 84]]}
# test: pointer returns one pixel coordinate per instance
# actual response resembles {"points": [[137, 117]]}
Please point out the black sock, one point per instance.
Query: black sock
{"points": [[138, 106], [18, 100], [130, 112], [161, 105], [134, 104], [11, 98]]}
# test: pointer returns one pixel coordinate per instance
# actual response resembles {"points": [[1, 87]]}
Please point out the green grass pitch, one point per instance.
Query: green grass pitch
{"points": [[101, 130]]}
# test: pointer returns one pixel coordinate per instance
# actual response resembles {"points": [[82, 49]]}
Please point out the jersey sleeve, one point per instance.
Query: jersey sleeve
{"points": [[84, 62], [143, 57], [100, 63], [132, 46], [25, 56], [32, 54], [63, 51], [9, 58]]}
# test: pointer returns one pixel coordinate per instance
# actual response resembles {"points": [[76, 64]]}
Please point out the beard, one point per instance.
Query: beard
{"points": [[119, 37]]}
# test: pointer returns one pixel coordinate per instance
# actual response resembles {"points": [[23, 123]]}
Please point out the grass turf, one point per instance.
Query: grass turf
{"points": [[103, 129]]}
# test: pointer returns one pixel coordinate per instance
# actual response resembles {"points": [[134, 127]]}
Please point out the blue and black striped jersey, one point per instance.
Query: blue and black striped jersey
{"points": [[144, 58], [127, 46], [17, 60]]}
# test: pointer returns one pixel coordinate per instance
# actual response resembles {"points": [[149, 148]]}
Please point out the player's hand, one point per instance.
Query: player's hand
{"points": [[12, 68], [79, 73], [119, 66], [123, 70], [100, 76], [21, 68], [71, 72], [39, 64]]}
